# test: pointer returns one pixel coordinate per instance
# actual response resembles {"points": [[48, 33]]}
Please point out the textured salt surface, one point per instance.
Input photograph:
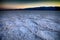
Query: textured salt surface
{"points": [[29, 25]]}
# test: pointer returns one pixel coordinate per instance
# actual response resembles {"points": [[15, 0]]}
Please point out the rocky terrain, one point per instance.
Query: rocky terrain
{"points": [[29, 25]]}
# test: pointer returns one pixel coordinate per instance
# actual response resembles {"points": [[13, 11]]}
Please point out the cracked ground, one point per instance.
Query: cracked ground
{"points": [[29, 25]]}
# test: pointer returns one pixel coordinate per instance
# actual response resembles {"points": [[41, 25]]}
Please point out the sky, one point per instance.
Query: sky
{"points": [[21, 4], [26, 1]]}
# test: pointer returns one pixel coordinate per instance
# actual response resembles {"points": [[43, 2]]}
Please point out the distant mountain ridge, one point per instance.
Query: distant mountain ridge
{"points": [[38, 8]]}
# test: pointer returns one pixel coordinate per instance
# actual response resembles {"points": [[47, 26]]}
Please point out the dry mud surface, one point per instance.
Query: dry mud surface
{"points": [[29, 25]]}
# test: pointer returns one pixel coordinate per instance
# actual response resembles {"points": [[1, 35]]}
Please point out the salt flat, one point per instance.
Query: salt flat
{"points": [[30, 25]]}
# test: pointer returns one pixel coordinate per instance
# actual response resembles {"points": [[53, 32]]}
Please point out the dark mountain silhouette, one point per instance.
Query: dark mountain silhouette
{"points": [[38, 8]]}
